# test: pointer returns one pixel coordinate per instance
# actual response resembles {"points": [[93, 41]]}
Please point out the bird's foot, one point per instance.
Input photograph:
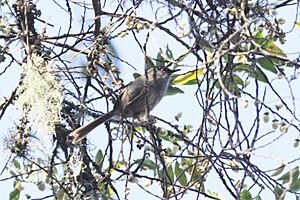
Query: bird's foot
{"points": [[148, 120]]}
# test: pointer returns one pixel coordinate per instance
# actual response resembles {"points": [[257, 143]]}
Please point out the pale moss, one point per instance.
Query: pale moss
{"points": [[40, 94]]}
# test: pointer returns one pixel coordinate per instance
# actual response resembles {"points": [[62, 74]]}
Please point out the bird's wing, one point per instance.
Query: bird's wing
{"points": [[133, 92]]}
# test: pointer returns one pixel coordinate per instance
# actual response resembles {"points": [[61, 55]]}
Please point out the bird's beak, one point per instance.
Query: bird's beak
{"points": [[175, 70]]}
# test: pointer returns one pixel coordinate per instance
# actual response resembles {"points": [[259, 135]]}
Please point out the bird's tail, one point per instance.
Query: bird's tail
{"points": [[81, 132]]}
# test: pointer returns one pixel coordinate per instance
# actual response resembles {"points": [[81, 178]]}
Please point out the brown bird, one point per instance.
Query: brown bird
{"points": [[137, 99]]}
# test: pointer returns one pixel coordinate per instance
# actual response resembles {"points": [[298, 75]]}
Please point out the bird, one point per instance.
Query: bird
{"points": [[136, 100]]}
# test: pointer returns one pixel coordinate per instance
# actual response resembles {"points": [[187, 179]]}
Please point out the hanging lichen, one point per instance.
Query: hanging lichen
{"points": [[40, 94]]}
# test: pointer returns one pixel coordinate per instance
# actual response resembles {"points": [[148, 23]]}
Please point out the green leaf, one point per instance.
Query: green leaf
{"points": [[12, 173], [188, 78], [110, 192], [173, 90], [278, 170], [15, 194], [233, 85], [160, 61], [16, 164], [120, 164], [149, 63], [169, 53], [259, 37], [245, 195], [278, 192], [170, 176], [268, 45], [149, 164], [295, 186], [258, 74], [136, 75], [238, 80], [267, 64], [286, 177], [165, 136], [180, 174], [99, 157], [182, 57], [273, 49]]}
